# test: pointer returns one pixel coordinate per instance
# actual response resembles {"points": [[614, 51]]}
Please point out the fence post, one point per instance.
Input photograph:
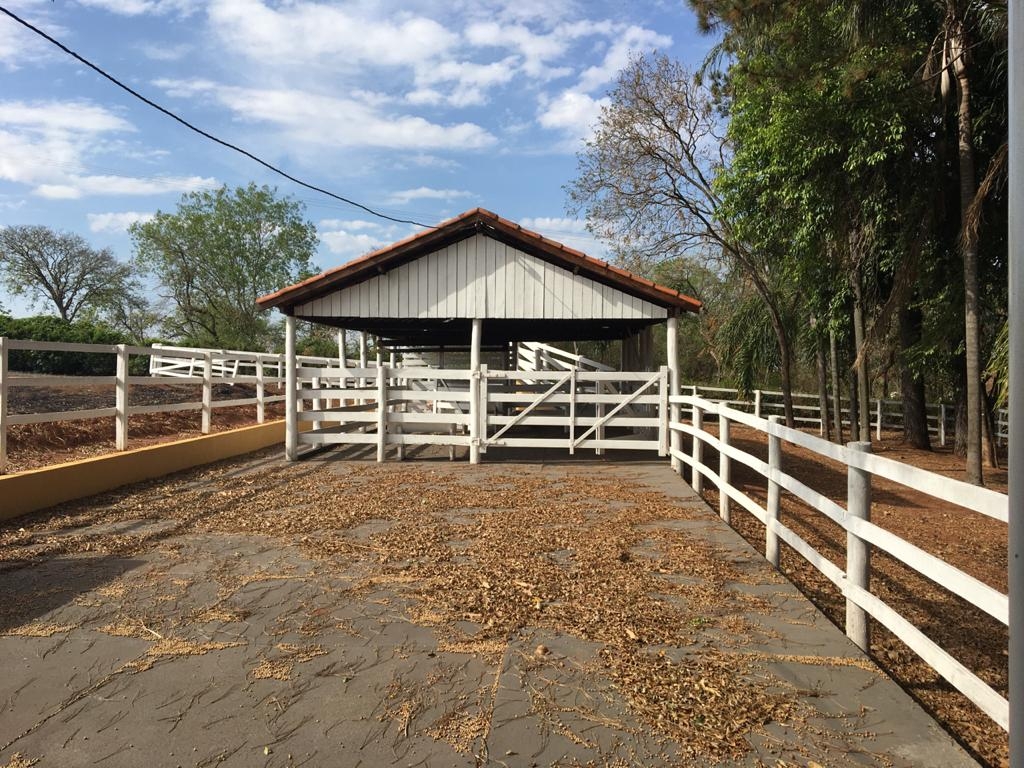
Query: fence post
{"points": [[878, 419], [207, 391], [382, 410], [942, 424], [121, 400], [663, 414], [3, 404], [757, 403], [599, 412], [261, 392], [697, 479], [858, 551], [484, 395], [572, 410], [318, 404], [771, 538], [723, 469]]}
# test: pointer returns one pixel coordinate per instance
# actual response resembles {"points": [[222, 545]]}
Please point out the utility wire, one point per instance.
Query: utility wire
{"points": [[98, 70]]}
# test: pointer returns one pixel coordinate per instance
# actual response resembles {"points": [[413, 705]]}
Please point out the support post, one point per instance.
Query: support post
{"points": [[474, 391], [382, 411], [771, 538], [723, 469], [207, 392], [697, 480], [482, 434], [1015, 462], [121, 399], [858, 551], [261, 392], [672, 353], [757, 403], [291, 412], [362, 360], [4, 355], [599, 432], [878, 419], [942, 424]]}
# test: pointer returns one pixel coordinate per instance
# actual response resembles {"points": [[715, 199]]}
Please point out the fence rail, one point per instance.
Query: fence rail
{"points": [[862, 535], [885, 414], [179, 365]]}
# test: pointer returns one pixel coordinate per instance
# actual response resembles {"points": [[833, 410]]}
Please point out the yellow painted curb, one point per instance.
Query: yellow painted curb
{"points": [[37, 489]]}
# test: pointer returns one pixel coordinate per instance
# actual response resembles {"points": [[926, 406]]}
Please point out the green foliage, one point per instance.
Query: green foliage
{"points": [[49, 328], [218, 253]]}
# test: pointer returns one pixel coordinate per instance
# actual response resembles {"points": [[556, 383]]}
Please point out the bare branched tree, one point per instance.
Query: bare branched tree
{"points": [[59, 267], [646, 182]]}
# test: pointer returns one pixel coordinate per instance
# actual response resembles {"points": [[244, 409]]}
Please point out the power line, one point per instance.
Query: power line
{"points": [[98, 70]]}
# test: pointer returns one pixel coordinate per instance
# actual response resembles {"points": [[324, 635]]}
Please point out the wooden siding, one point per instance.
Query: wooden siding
{"points": [[481, 277]]}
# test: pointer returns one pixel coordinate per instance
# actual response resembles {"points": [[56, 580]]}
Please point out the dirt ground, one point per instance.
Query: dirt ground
{"points": [[337, 612], [31, 446], [972, 542]]}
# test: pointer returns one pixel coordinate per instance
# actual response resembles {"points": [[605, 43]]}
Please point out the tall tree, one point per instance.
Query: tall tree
{"points": [[646, 182], [60, 268], [217, 254]]}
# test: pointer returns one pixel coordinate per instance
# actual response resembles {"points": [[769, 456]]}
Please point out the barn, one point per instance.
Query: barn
{"points": [[483, 285]]}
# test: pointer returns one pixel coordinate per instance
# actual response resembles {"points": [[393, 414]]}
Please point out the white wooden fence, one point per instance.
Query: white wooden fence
{"points": [[885, 414], [855, 519], [202, 367], [398, 407]]}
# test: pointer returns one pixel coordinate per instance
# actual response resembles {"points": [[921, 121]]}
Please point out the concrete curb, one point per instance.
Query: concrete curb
{"points": [[37, 489]]}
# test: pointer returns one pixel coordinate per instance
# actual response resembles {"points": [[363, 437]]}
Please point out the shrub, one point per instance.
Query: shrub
{"points": [[47, 328]]}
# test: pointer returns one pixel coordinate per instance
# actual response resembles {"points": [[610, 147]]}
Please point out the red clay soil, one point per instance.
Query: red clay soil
{"points": [[30, 446], [972, 542]]}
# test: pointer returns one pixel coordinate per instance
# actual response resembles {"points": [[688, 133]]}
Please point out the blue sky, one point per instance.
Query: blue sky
{"points": [[421, 108]]}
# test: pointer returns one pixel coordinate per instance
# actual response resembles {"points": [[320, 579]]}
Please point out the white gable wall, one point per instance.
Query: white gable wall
{"points": [[481, 278]]}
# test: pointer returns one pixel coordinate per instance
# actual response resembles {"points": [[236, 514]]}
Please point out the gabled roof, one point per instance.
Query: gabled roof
{"points": [[463, 226]]}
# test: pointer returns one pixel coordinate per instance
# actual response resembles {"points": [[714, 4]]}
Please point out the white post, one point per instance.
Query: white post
{"points": [[261, 392], [291, 412], [757, 403], [878, 419], [942, 424], [3, 404], [858, 551], [723, 469], [1015, 462], [121, 400], [207, 392], [362, 360], [664, 385], [771, 538], [672, 353], [572, 410], [599, 432], [382, 411], [474, 391], [341, 349], [318, 404], [482, 434], [697, 480]]}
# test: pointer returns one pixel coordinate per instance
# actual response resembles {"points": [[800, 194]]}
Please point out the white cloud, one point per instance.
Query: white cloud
{"points": [[629, 41], [115, 221], [48, 146], [165, 52], [334, 122], [350, 245], [19, 46], [405, 196], [349, 224], [139, 7], [573, 113]]}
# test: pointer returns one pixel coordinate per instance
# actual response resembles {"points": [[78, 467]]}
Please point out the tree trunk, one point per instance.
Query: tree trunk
{"points": [[785, 354], [855, 433], [861, 358], [819, 353], [837, 399], [915, 414], [969, 246]]}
